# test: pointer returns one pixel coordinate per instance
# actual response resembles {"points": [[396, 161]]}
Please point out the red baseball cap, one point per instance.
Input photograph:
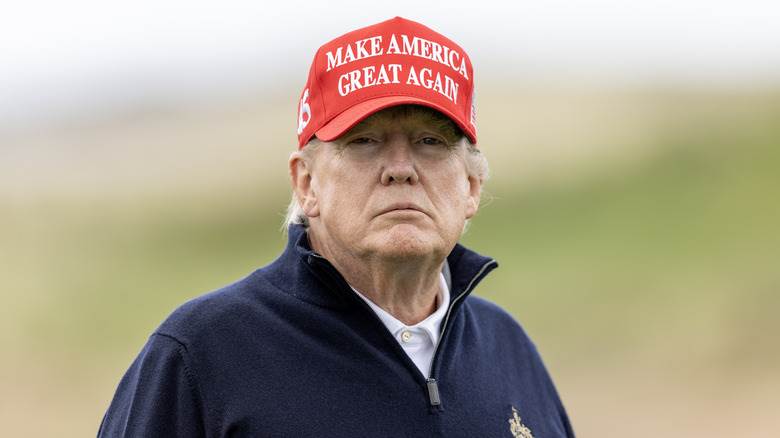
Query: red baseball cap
{"points": [[394, 62]]}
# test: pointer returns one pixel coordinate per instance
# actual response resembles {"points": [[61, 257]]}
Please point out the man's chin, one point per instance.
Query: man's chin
{"points": [[404, 241]]}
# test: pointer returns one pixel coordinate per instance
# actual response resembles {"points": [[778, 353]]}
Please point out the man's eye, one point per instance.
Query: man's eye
{"points": [[431, 141], [362, 140]]}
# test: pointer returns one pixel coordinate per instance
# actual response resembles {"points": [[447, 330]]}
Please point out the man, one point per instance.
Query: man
{"points": [[366, 325]]}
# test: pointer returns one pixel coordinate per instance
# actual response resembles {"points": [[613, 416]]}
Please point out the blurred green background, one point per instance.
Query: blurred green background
{"points": [[636, 232], [633, 206]]}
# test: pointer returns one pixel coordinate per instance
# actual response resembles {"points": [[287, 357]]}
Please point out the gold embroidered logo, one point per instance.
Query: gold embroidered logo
{"points": [[516, 426]]}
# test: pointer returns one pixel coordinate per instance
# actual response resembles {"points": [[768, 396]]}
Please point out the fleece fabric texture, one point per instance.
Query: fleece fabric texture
{"points": [[291, 351]]}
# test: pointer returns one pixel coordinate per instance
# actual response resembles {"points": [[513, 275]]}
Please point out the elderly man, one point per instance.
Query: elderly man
{"points": [[366, 325]]}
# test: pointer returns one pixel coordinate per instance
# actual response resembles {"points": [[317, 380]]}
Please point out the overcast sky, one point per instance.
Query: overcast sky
{"points": [[65, 56]]}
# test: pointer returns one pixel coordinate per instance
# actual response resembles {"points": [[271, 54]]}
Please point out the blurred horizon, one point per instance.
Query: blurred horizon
{"points": [[85, 57]]}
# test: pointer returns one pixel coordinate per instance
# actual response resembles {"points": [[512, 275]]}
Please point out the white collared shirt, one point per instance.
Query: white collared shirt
{"points": [[419, 340]]}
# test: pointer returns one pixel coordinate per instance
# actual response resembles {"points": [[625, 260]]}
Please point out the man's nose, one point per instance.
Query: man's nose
{"points": [[399, 162]]}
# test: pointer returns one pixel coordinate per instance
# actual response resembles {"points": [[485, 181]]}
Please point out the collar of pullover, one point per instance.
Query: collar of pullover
{"points": [[302, 272]]}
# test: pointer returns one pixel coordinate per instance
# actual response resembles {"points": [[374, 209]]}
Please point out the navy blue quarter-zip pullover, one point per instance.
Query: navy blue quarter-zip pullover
{"points": [[292, 351]]}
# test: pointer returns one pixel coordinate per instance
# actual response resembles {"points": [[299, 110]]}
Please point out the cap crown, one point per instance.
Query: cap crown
{"points": [[391, 63]]}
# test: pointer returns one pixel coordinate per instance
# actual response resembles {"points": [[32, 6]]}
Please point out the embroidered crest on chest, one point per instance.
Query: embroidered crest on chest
{"points": [[516, 426]]}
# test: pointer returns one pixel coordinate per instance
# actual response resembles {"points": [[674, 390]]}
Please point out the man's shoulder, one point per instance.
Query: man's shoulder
{"points": [[498, 319], [485, 307], [216, 310]]}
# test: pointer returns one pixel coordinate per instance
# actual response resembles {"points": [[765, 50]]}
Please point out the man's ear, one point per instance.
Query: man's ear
{"points": [[474, 188], [301, 181]]}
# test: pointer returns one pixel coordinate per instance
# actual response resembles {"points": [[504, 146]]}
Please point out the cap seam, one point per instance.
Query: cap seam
{"points": [[317, 79]]}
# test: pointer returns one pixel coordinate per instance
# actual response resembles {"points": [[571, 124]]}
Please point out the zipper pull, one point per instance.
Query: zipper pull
{"points": [[433, 392]]}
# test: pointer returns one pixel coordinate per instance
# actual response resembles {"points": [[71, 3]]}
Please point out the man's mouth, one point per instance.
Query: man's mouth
{"points": [[403, 207]]}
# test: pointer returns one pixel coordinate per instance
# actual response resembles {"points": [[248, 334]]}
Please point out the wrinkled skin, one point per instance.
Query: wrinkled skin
{"points": [[386, 203]]}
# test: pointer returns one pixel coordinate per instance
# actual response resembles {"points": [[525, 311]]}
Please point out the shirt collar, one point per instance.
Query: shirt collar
{"points": [[431, 325]]}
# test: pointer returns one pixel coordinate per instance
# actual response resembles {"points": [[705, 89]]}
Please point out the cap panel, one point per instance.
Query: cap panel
{"points": [[304, 123]]}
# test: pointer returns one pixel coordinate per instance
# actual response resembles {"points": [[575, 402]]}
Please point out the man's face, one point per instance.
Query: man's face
{"points": [[393, 187]]}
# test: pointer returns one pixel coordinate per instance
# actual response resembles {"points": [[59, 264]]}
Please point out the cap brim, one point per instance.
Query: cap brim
{"points": [[356, 114]]}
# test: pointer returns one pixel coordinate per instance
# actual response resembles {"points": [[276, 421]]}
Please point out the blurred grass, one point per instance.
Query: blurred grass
{"points": [[656, 261], [685, 244]]}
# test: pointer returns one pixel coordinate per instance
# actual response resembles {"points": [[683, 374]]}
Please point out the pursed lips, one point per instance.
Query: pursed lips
{"points": [[403, 206]]}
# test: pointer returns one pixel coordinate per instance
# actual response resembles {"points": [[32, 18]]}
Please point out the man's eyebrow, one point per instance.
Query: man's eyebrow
{"points": [[362, 126], [356, 131], [366, 124]]}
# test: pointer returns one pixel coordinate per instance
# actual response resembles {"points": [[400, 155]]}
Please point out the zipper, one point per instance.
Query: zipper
{"points": [[431, 383], [433, 386]]}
